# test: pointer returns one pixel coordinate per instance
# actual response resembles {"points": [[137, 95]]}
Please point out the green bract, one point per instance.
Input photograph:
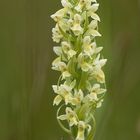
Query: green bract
{"points": [[80, 88]]}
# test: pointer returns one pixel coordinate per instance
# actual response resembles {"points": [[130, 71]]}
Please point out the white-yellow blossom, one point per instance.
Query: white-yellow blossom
{"points": [[70, 116], [81, 131], [57, 35], [66, 3], [64, 93], [85, 66], [58, 65], [99, 62], [95, 91], [58, 15], [92, 31], [67, 49], [99, 104], [57, 50], [90, 48], [77, 98], [76, 28]]}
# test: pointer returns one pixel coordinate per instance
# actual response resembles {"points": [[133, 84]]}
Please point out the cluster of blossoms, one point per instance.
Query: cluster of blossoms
{"points": [[81, 86]]}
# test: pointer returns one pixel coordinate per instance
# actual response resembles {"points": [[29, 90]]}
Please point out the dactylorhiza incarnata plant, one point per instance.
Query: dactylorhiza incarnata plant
{"points": [[81, 85]]}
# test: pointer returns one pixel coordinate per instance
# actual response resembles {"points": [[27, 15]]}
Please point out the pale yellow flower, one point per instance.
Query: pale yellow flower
{"points": [[76, 28], [90, 48], [98, 74], [85, 66], [57, 35], [81, 131], [99, 104], [91, 12], [58, 15], [64, 93], [66, 3], [78, 97], [57, 50], [92, 29], [99, 62], [95, 91], [67, 49], [58, 65], [70, 116]]}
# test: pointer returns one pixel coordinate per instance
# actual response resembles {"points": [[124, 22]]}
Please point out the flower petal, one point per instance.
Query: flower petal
{"points": [[57, 100], [62, 117]]}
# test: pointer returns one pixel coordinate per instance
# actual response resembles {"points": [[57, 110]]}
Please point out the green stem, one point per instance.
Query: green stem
{"points": [[82, 80], [92, 133]]}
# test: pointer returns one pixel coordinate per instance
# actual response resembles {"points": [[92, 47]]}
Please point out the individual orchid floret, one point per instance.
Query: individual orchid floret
{"points": [[91, 12], [70, 116], [92, 31], [99, 104], [93, 25], [67, 49], [83, 4], [66, 4], [89, 47], [57, 35], [76, 28], [83, 64], [58, 65], [95, 91], [81, 131], [98, 74], [64, 93], [59, 15], [78, 97], [79, 7], [99, 62]]}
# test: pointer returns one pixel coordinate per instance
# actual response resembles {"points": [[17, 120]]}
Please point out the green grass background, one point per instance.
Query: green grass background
{"points": [[26, 111]]}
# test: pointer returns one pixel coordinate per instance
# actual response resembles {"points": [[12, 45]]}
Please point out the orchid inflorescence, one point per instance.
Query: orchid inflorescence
{"points": [[81, 85]]}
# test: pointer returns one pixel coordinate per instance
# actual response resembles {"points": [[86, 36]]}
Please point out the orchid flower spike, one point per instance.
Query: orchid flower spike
{"points": [[81, 86]]}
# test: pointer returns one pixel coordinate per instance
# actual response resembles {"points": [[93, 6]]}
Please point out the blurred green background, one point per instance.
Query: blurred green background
{"points": [[26, 111]]}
